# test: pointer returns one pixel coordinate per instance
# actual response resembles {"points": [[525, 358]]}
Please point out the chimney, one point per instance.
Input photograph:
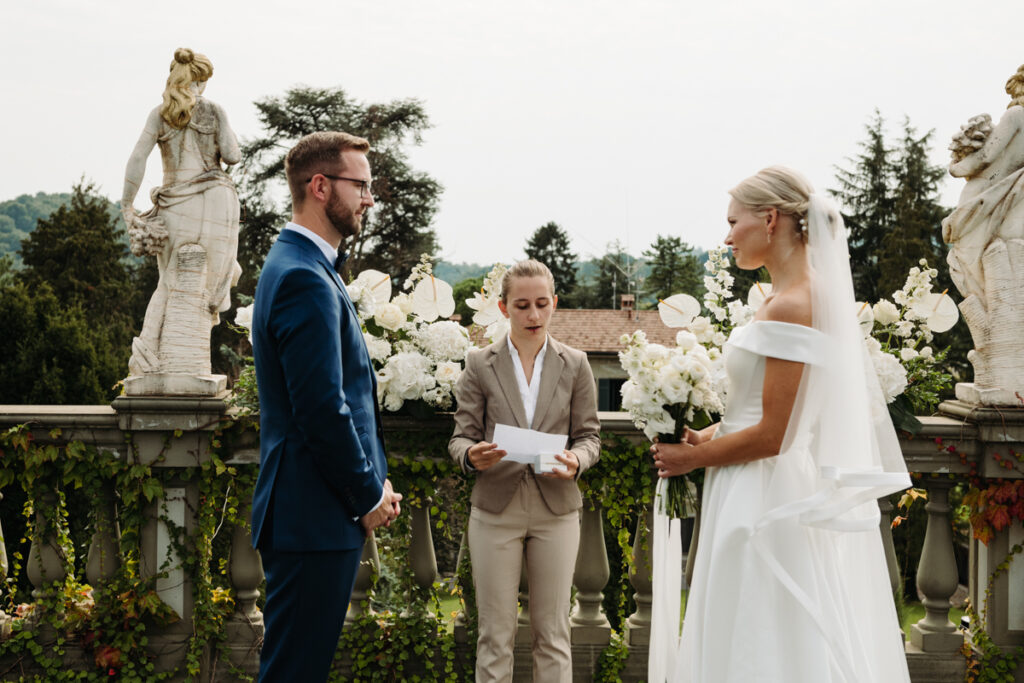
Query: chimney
{"points": [[626, 304]]}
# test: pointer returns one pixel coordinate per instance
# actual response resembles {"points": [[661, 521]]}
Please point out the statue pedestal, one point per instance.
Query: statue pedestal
{"points": [[174, 384]]}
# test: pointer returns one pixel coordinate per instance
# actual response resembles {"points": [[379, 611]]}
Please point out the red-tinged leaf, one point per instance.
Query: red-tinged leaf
{"points": [[1002, 493], [983, 534], [999, 517], [896, 521]]}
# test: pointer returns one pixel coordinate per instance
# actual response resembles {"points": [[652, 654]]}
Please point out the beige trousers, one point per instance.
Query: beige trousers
{"points": [[497, 544]]}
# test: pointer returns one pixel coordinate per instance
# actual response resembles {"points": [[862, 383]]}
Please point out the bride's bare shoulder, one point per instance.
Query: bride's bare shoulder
{"points": [[790, 306]]}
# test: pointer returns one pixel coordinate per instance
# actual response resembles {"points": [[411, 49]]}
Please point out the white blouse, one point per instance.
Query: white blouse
{"points": [[528, 390]]}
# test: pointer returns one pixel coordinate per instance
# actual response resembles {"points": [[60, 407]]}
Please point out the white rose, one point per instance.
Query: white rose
{"points": [[702, 329], [447, 373], [905, 328], [243, 316], [886, 312], [404, 303], [393, 402], [685, 340], [908, 354], [927, 353], [389, 316], [719, 339]]}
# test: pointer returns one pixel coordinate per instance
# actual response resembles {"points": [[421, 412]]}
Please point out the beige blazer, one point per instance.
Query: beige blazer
{"points": [[488, 394]]}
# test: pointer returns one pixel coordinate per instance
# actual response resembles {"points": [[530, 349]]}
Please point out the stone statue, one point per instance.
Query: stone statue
{"points": [[192, 229], [986, 259]]}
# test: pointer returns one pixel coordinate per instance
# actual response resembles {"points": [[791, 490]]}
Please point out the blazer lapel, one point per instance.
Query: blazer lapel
{"points": [[549, 377], [505, 372]]}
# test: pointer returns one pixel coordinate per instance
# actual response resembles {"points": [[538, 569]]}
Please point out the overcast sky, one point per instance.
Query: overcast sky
{"points": [[618, 120]]}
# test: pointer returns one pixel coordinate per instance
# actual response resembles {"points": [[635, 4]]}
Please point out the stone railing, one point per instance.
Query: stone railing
{"points": [[173, 434]]}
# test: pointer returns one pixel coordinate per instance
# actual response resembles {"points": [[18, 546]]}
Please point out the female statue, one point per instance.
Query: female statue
{"points": [[193, 225]]}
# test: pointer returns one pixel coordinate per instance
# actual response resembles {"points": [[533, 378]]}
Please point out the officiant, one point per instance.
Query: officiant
{"points": [[530, 381]]}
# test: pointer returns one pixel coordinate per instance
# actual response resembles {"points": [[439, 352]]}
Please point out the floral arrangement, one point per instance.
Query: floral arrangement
{"points": [[485, 303], [418, 358], [899, 335]]}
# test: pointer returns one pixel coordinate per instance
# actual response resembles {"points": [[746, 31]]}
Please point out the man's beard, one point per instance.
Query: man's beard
{"points": [[344, 220]]}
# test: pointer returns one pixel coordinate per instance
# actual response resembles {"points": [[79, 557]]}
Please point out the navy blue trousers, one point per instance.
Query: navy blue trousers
{"points": [[307, 597]]}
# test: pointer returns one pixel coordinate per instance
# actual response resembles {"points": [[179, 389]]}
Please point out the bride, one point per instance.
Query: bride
{"points": [[790, 581]]}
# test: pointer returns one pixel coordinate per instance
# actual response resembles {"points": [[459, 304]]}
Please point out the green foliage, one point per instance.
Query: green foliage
{"points": [[549, 244], [675, 268], [617, 273], [463, 290], [396, 231], [109, 621], [457, 272], [892, 207]]}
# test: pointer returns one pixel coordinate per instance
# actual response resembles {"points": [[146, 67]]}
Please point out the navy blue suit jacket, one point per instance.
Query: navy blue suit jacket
{"points": [[322, 461]]}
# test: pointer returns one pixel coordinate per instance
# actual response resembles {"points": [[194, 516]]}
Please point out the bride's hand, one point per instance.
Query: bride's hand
{"points": [[673, 459]]}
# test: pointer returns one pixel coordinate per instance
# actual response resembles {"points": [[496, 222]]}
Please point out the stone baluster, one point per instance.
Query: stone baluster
{"points": [[638, 625], [461, 620], [885, 527], [46, 561], [368, 566], [589, 622], [421, 553], [246, 571], [104, 557], [937, 574], [244, 629]]}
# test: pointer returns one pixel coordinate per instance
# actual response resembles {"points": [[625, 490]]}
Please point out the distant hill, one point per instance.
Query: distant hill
{"points": [[18, 218], [454, 273]]}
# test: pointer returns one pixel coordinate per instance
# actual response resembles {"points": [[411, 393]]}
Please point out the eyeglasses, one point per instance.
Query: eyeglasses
{"points": [[364, 185]]}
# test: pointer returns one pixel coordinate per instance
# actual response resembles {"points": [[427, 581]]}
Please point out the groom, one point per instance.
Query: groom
{"points": [[323, 483]]}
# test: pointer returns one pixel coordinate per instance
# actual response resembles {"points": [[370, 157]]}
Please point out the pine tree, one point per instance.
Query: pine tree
{"points": [[549, 244], [866, 192], [675, 269]]}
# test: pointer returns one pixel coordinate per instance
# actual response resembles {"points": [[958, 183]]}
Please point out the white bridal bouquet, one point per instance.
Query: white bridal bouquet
{"points": [[672, 387], [417, 356]]}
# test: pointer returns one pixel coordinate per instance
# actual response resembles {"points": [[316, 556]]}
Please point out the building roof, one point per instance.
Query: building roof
{"points": [[598, 330]]}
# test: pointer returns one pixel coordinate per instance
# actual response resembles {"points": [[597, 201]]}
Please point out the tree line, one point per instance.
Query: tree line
{"points": [[72, 297]]}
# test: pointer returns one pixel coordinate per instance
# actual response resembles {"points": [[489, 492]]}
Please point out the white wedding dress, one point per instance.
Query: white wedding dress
{"points": [[790, 583]]}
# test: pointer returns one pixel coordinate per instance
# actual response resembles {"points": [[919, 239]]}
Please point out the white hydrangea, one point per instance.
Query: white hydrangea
{"points": [[892, 376], [378, 348], [444, 340]]}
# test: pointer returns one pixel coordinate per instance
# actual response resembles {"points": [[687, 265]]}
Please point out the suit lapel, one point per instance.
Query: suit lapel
{"points": [[549, 377], [501, 363]]}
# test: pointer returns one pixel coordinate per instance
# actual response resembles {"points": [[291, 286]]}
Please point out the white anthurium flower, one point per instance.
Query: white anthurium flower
{"points": [[678, 310], [432, 299], [487, 311], [938, 310], [885, 312], [759, 291], [375, 282], [865, 317]]}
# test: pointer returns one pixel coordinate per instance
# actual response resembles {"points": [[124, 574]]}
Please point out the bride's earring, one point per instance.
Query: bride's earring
{"points": [[769, 234]]}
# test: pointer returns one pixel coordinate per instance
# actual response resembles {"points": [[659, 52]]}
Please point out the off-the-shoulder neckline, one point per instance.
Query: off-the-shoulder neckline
{"points": [[780, 322]]}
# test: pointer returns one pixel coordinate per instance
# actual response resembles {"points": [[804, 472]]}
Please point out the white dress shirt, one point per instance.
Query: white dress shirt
{"points": [[528, 390], [330, 252]]}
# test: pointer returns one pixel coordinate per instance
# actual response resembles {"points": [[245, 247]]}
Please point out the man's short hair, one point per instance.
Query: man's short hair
{"points": [[318, 153]]}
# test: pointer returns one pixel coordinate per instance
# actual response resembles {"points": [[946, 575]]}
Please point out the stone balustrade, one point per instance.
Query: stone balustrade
{"points": [[933, 644]]}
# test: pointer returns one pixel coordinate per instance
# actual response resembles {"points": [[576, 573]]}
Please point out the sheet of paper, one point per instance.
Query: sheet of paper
{"points": [[524, 445]]}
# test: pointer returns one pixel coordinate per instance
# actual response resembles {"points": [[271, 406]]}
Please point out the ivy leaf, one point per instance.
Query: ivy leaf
{"points": [[152, 488]]}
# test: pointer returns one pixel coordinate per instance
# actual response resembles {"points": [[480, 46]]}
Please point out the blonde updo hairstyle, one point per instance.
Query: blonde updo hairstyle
{"points": [[1015, 88], [187, 68], [780, 188], [527, 268]]}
